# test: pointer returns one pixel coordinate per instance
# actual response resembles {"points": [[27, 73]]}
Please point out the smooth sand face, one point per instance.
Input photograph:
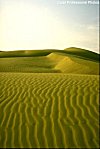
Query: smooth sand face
{"points": [[49, 110], [52, 63], [49, 99]]}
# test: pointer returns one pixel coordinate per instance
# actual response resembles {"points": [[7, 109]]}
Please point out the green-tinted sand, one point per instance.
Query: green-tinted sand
{"points": [[49, 101]]}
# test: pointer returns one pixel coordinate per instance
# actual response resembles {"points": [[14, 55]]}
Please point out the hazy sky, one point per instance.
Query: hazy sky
{"points": [[41, 24]]}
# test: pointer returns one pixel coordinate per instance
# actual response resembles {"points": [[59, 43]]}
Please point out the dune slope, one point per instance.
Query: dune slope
{"points": [[82, 53], [77, 52], [56, 61], [77, 66]]}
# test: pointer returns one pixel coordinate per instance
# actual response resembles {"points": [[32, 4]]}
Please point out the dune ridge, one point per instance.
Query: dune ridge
{"points": [[73, 51], [54, 62]]}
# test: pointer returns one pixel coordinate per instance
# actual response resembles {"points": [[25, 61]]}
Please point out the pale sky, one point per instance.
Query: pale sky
{"points": [[46, 24]]}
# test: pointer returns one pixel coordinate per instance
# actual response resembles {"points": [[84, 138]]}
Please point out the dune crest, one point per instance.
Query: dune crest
{"points": [[70, 60]]}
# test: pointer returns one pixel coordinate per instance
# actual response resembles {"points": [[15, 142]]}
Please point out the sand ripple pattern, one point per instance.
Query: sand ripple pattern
{"points": [[49, 110]]}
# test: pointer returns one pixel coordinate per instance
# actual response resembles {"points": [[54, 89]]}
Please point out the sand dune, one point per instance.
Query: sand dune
{"points": [[73, 51], [77, 66], [49, 99], [54, 62], [49, 110]]}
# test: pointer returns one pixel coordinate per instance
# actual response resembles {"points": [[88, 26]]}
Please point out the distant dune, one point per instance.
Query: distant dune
{"points": [[82, 53], [85, 54], [63, 61], [49, 99]]}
